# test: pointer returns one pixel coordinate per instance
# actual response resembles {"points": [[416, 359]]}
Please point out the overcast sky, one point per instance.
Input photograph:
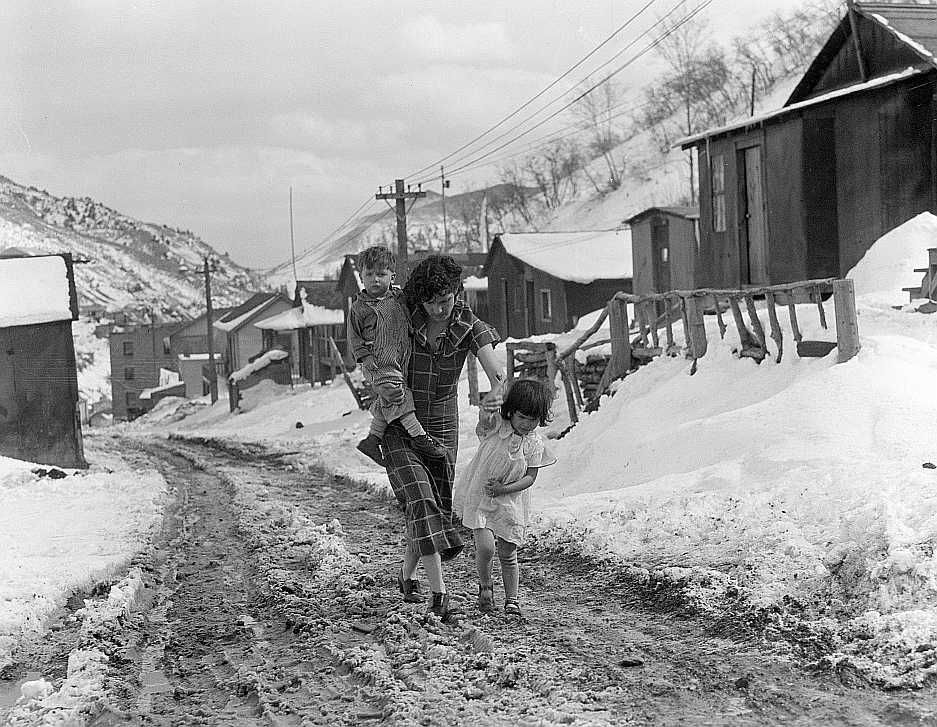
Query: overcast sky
{"points": [[201, 115]]}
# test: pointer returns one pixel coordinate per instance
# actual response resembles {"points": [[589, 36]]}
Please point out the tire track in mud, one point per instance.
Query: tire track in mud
{"points": [[272, 600]]}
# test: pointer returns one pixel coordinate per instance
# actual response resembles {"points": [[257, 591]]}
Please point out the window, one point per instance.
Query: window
{"points": [[664, 254], [128, 373], [128, 348], [129, 398], [718, 189], [167, 346], [546, 305]]}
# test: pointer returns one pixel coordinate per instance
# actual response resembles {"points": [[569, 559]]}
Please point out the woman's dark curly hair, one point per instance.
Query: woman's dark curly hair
{"points": [[434, 276]]}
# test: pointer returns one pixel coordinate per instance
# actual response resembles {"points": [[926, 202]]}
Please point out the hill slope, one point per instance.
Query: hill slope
{"points": [[130, 264]]}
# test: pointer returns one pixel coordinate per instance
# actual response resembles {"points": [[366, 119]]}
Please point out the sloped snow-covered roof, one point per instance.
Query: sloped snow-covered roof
{"points": [[244, 312], [579, 257], [305, 316], [475, 283], [34, 290]]}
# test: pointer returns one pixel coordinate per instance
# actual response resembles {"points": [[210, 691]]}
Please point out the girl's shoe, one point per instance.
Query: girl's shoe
{"points": [[511, 608], [408, 587], [440, 605], [486, 597]]}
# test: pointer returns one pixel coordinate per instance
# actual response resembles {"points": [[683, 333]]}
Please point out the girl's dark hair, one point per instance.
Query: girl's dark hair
{"points": [[531, 398], [435, 275], [376, 258]]}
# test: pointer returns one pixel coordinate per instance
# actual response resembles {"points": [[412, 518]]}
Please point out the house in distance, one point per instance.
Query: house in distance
{"points": [[802, 192], [543, 282]]}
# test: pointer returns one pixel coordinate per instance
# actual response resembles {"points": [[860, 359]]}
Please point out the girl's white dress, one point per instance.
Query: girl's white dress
{"points": [[504, 455]]}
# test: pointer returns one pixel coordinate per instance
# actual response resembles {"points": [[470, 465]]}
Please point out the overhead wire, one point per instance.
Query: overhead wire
{"points": [[527, 103], [619, 69], [547, 105]]}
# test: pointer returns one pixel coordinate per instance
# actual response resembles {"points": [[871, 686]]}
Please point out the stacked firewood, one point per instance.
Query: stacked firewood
{"points": [[590, 373]]}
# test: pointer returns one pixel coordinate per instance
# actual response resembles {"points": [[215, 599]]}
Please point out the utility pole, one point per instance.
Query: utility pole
{"points": [[445, 226], [212, 372], [400, 196]]}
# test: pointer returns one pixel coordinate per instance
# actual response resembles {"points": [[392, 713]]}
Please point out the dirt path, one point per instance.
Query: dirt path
{"points": [[271, 600]]}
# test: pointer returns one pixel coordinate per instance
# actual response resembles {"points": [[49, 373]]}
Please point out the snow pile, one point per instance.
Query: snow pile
{"points": [[80, 694], [888, 266], [58, 536], [34, 290]]}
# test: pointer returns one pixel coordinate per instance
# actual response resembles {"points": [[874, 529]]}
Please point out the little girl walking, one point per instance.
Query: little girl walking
{"points": [[492, 493]]}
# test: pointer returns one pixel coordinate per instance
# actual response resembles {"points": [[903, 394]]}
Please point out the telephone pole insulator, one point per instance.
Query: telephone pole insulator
{"points": [[400, 197]]}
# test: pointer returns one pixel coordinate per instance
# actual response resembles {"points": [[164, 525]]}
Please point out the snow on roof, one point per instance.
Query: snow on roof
{"points": [[34, 290], [243, 312], [474, 283], [580, 257], [274, 354], [761, 118], [198, 356], [304, 316], [148, 393]]}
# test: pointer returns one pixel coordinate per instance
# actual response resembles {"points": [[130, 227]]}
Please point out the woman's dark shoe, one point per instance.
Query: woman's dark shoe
{"points": [[427, 446], [511, 608], [370, 446], [440, 605], [409, 588], [486, 597]]}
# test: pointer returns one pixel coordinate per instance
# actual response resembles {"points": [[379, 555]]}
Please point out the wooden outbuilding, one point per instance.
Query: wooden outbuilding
{"points": [[543, 282], [243, 340], [664, 249], [309, 327], [802, 192], [39, 412]]}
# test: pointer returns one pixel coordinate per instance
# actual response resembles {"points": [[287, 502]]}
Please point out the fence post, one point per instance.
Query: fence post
{"points": [[694, 312], [847, 325], [620, 362]]}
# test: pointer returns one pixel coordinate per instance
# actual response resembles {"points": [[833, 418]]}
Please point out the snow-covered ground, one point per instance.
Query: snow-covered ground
{"points": [[800, 485]]}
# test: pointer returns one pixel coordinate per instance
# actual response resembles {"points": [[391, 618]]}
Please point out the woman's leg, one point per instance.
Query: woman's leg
{"points": [[507, 554], [411, 559], [484, 552], [432, 564]]}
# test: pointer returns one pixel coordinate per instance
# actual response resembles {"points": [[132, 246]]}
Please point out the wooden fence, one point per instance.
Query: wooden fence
{"points": [[651, 333]]}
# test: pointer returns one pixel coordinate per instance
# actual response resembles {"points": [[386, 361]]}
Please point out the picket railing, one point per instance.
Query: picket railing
{"points": [[651, 333]]}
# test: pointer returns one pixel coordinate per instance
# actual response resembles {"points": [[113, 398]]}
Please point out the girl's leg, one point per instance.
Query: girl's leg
{"points": [[507, 554], [484, 552]]}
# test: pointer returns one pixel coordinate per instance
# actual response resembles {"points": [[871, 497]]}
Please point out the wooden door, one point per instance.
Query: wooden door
{"points": [[753, 231], [660, 246], [529, 307]]}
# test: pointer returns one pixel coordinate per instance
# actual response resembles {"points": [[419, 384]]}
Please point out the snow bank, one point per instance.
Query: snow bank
{"points": [[888, 266]]}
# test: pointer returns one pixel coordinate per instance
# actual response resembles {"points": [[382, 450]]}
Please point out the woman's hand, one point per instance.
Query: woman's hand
{"points": [[492, 401]]}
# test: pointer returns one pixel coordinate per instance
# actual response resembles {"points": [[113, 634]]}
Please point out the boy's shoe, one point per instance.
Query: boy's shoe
{"points": [[486, 598], [370, 446], [440, 605], [408, 587], [511, 608], [427, 446]]}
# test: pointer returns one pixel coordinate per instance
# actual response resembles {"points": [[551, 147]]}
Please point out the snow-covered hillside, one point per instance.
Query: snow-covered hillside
{"points": [[125, 263]]}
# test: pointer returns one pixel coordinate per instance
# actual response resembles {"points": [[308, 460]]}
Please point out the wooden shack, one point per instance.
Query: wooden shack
{"points": [[243, 340], [803, 191], [309, 327], [664, 249], [543, 282], [39, 413]]}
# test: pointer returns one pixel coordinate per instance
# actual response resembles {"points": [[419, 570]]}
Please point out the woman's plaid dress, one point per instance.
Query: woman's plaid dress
{"points": [[423, 486]]}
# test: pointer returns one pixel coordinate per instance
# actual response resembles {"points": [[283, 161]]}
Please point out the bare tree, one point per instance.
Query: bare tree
{"points": [[553, 171], [595, 111]]}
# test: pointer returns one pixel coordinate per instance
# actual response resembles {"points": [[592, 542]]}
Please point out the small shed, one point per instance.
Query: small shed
{"points": [[39, 413], [323, 293], [243, 339], [803, 191], [312, 326], [664, 249], [543, 282]]}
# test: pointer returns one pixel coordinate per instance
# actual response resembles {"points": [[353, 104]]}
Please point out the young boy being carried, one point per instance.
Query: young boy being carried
{"points": [[379, 337]]}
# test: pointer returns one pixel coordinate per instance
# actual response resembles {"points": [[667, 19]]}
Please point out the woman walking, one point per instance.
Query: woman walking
{"points": [[445, 330]]}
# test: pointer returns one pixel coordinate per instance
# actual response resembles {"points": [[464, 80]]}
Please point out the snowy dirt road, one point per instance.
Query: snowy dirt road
{"points": [[270, 599]]}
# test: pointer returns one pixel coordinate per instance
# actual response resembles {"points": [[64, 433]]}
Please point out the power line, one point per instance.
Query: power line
{"points": [[543, 108], [538, 95], [620, 68]]}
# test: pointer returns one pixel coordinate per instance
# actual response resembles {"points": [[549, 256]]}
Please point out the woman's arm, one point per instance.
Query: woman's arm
{"points": [[491, 365], [495, 488]]}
